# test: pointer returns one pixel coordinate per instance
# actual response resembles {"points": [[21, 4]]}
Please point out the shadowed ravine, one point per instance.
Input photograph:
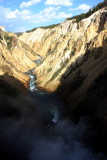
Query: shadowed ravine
{"points": [[49, 105], [48, 134], [70, 60], [37, 129]]}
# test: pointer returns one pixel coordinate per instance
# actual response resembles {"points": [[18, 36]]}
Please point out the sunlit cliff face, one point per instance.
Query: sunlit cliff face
{"points": [[35, 125], [66, 47]]}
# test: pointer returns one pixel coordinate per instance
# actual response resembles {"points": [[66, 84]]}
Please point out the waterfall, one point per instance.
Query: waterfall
{"points": [[32, 82], [32, 85]]}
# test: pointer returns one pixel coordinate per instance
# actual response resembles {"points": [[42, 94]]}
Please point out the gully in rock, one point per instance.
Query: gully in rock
{"points": [[52, 105]]}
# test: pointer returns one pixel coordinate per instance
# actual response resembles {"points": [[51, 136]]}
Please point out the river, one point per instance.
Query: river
{"points": [[61, 139], [50, 106], [39, 131]]}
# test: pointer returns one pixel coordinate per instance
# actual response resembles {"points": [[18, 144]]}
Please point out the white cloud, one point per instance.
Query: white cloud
{"points": [[23, 19], [29, 3], [16, 14], [83, 7], [8, 14], [12, 14], [59, 2], [47, 14]]}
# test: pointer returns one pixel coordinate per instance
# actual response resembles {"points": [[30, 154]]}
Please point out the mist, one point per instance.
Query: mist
{"points": [[29, 135], [33, 127]]}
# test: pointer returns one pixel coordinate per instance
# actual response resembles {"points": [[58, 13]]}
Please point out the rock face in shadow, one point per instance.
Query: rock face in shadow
{"points": [[16, 109], [26, 134]]}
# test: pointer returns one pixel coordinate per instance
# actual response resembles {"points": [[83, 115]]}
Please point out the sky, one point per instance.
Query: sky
{"points": [[22, 15]]}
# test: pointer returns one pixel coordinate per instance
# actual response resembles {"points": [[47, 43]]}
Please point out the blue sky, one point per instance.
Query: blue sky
{"points": [[22, 15]]}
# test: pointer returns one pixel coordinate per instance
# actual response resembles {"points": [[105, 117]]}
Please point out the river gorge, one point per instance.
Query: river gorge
{"points": [[44, 133], [53, 90]]}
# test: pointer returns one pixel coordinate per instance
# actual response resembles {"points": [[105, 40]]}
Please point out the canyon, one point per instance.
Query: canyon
{"points": [[73, 57], [69, 61]]}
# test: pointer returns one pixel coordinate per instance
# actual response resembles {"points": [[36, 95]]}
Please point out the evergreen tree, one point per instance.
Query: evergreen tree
{"points": [[90, 12]]}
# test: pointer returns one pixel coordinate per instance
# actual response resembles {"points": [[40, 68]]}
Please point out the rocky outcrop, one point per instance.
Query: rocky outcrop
{"points": [[16, 57], [2, 28], [72, 55], [66, 46], [71, 61]]}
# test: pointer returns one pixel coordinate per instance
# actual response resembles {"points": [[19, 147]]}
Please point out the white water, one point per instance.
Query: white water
{"points": [[32, 85], [48, 99]]}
